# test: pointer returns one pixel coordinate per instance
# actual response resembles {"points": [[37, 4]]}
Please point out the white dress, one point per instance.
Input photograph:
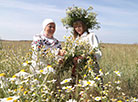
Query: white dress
{"points": [[93, 41]]}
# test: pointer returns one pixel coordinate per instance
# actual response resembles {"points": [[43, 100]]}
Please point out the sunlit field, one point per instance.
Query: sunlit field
{"points": [[115, 57]]}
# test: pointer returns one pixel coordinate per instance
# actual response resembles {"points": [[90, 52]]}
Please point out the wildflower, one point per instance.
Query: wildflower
{"points": [[79, 85], [71, 100], [64, 37], [117, 82], [2, 74], [107, 73], [24, 81], [59, 90], [100, 71], [89, 69], [123, 94], [81, 93], [84, 75], [49, 66], [119, 101], [35, 81], [68, 88], [25, 92], [14, 76], [27, 63], [90, 83], [97, 78], [10, 99], [105, 93], [22, 70], [118, 88], [15, 79], [127, 100], [113, 100], [22, 73], [41, 71], [51, 81], [97, 98], [46, 70], [117, 73], [66, 80]]}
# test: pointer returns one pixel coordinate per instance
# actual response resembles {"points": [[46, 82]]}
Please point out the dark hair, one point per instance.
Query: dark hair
{"points": [[75, 34]]}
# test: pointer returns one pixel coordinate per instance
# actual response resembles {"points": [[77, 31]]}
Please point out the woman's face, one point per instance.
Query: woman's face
{"points": [[79, 28], [49, 30]]}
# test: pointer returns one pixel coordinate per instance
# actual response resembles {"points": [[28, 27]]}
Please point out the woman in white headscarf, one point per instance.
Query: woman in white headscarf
{"points": [[45, 40]]}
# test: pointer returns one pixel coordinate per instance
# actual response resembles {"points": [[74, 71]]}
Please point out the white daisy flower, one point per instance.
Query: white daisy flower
{"points": [[97, 98], [88, 83], [51, 81], [9, 99], [107, 73], [117, 73], [68, 88], [118, 88], [48, 69], [71, 100], [66, 80], [22, 73], [118, 82]]}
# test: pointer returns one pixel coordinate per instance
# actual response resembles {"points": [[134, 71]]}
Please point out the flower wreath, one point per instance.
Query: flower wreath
{"points": [[86, 16]]}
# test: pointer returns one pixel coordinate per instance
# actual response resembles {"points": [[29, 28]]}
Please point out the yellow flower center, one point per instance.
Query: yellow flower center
{"points": [[88, 82], [89, 69], [22, 70], [25, 92], [10, 98], [84, 75], [66, 81], [14, 76], [49, 66], [97, 77], [41, 71], [119, 101], [2, 74]]}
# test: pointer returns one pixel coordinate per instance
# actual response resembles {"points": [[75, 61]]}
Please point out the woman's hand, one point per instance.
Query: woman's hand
{"points": [[62, 52], [75, 59], [80, 57], [60, 60]]}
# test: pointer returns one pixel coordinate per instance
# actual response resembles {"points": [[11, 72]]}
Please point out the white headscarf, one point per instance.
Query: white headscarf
{"points": [[45, 23]]}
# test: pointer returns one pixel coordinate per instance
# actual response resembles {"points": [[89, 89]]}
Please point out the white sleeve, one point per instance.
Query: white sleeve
{"points": [[93, 39], [35, 44]]}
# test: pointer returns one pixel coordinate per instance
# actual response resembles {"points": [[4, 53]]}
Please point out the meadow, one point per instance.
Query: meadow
{"points": [[120, 57]]}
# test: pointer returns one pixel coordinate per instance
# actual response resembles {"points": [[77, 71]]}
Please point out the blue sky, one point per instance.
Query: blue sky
{"points": [[21, 19]]}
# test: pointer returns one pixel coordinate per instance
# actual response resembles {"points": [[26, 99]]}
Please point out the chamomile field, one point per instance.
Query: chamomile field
{"points": [[118, 68]]}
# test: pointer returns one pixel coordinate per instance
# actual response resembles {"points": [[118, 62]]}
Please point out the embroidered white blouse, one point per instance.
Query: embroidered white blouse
{"points": [[93, 41], [42, 42]]}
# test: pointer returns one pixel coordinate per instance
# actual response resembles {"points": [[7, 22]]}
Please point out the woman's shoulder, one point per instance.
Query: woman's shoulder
{"points": [[91, 34], [37, 37], [56, 40]]}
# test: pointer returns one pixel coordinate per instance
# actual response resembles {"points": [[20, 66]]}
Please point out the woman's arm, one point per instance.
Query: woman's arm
{"points": [[94, 42]]}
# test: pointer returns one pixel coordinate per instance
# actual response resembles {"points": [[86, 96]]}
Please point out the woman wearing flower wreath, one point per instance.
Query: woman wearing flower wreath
{"points": [[81, 21]]}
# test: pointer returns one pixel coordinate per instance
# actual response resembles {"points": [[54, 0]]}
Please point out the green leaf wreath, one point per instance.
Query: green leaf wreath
{"points": [[87, 16]]}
